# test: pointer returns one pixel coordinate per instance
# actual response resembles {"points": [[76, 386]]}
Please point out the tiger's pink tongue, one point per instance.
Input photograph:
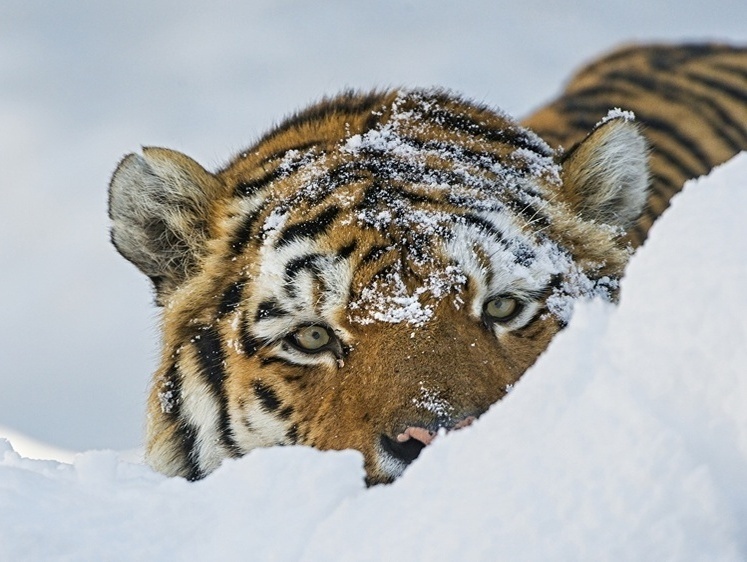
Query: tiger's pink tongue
{"points": [[425, 436]]}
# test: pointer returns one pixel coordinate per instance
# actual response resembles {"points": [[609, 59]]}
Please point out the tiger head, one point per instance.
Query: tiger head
{"points": [[377, 268]]}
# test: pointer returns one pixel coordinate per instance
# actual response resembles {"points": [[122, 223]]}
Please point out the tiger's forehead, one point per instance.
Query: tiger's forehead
{"points": [[418, 136], [386, 212]]}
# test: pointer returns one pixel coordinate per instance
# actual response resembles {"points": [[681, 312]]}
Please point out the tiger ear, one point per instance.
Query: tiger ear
{"points": [[606, 176], [160, 205]]}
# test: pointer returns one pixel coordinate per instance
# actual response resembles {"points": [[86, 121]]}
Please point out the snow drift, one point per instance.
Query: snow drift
{"points": [[626, 441]]}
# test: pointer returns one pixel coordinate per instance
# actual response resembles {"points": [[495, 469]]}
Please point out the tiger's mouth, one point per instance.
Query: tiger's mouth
{"points": [[408, 444]]}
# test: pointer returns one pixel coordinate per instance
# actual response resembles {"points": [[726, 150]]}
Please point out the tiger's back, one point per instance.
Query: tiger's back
{"points": [[691, 99]]}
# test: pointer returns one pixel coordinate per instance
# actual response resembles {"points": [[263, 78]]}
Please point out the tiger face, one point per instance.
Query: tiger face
{"points": [[376, 269]]}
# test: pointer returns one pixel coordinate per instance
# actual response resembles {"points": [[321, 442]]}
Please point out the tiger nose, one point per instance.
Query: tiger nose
{"points": [[406, 446]]}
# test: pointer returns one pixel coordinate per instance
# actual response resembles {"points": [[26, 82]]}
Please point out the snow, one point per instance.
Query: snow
{"points": [[626, 441], [34, 449], [617, 113]]}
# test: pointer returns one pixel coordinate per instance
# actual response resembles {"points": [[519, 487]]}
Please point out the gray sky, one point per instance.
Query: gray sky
{"points": [[82, 83]]}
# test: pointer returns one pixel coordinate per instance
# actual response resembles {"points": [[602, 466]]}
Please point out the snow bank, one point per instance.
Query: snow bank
{"points": [[33, 448], [627, 441]]}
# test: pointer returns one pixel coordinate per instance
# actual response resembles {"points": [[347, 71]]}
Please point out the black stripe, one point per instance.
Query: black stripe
{"points": [[296, 265], [245, 232], [344, 174], [292, 434], [310, 228], [462, 155], [211, 358], [249, 344], [186, 436], [386, 172], [472, 203], [267, 361], [381, 194], [685, 170], [346, 251], [267, 397], [250, 187], [637, 233], [374, 254], [285, 413], [308, 263], [482, 224], [663, 187], [231, 298], [418, 198], [726, 67], [739, 94], [374, 195], [171, 392], [269, 309], [384, 169], [669, 58], [302, 146], [721, 121], [513, 135], [649, 213], [384, 165], [663, 58], [529, 212]]}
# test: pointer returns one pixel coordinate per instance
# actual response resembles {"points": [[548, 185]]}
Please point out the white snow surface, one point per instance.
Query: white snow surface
{"points": [[626, 441], [35, 449]]}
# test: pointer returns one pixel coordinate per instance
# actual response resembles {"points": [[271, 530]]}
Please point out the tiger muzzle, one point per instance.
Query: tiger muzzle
{"points": [[407, 445]]}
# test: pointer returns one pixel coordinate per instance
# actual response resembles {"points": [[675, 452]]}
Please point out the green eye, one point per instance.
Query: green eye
{"points": [[501, 309], [312, 338]]}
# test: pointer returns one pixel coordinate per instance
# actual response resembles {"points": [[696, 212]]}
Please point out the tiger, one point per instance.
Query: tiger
{"points": [[382, 267]]}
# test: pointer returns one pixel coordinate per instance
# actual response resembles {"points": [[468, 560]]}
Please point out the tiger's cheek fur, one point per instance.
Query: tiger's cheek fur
{"points": [[261, 408]]}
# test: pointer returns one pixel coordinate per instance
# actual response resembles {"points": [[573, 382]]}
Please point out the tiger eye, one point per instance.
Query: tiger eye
{"points": [[502, 308], [312, 338]]}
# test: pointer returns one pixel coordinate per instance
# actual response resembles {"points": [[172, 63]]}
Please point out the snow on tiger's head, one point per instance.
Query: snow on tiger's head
{"points": [[374, 269]]}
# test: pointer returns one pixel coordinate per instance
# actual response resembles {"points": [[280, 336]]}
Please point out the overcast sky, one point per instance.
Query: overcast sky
{"points": [[82, 83]]}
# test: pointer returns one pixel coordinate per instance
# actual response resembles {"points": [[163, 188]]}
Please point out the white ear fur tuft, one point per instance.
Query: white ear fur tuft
{"points": [[159, 205], [606, 176]]}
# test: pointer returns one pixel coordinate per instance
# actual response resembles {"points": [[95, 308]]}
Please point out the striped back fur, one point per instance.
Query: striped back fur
{"points": [[690, 99], [376, 268]]}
